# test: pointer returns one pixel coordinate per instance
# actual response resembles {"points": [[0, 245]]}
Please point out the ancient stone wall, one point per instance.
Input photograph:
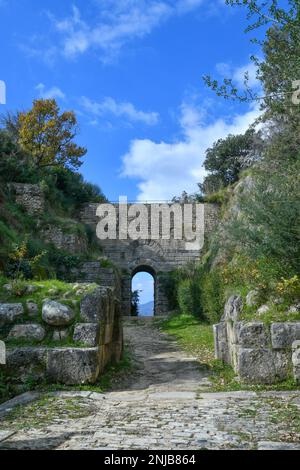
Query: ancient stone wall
{"points": [[154, 256], [30, 196], [260, 353], [60, 343], [71, 242]]}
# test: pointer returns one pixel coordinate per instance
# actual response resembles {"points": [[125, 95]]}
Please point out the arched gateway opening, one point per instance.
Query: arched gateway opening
{"points": [[143, 284]]}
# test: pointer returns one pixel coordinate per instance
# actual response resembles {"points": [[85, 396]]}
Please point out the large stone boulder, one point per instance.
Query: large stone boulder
{"points": [[57, 314], [87, 334], [9, 313], [233, 308], [30, 332], [73, 366]]}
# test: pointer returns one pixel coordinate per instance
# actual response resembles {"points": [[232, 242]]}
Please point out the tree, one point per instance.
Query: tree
{"points": [[280, 68], [48, 136], [227, 158], [135, 300]]}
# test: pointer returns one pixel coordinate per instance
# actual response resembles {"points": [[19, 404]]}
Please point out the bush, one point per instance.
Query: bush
{"points": [[212, 295], [185, 297]]}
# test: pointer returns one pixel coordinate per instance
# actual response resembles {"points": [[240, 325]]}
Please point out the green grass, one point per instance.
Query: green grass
{"points": [[197, 338], [45, 411], [58, 290], [194, 336], [277, 313]]}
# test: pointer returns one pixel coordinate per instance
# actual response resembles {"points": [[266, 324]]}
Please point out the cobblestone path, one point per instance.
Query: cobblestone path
{"points": [[158, 407]]}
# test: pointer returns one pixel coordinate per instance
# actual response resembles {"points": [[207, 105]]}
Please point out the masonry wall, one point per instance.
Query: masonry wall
{"points": [[154, 256], [57, 343], [260, 353]]}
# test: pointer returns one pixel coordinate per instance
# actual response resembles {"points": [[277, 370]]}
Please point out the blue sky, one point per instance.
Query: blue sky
{"points": [[132, 70], [144, 283]]}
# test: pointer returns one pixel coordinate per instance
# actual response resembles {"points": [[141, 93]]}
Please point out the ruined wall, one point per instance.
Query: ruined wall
{"points": [[71, 242], [30, 196], [63, 342], [260, 353]]}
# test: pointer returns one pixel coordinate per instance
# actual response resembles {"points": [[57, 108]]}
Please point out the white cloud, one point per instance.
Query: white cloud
{"points": [[50, 93], [165, 169], [116, 23], [238, 73], [118, 109]]}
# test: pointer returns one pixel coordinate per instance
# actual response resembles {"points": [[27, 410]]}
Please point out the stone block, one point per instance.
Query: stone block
{"points": [[87, 333], [105, 354], [30, 332], [296, 360], [284, 334], [9, 313], [23, 363], [221, 342], [72, 366], [108, 333], [252, 334], [94, 306], [263, 366]]}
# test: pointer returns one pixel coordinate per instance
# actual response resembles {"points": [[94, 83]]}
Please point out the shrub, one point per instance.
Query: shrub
{"points": [[212, 295], [185, 297]]}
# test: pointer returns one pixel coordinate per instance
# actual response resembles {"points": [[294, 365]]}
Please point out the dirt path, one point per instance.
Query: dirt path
{"points": [[158, 407], [160, 363]]}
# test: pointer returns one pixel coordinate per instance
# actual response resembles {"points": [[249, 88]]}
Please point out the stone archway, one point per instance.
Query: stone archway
{"points": [[149, 270], [159, 256], [160, 299]]}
